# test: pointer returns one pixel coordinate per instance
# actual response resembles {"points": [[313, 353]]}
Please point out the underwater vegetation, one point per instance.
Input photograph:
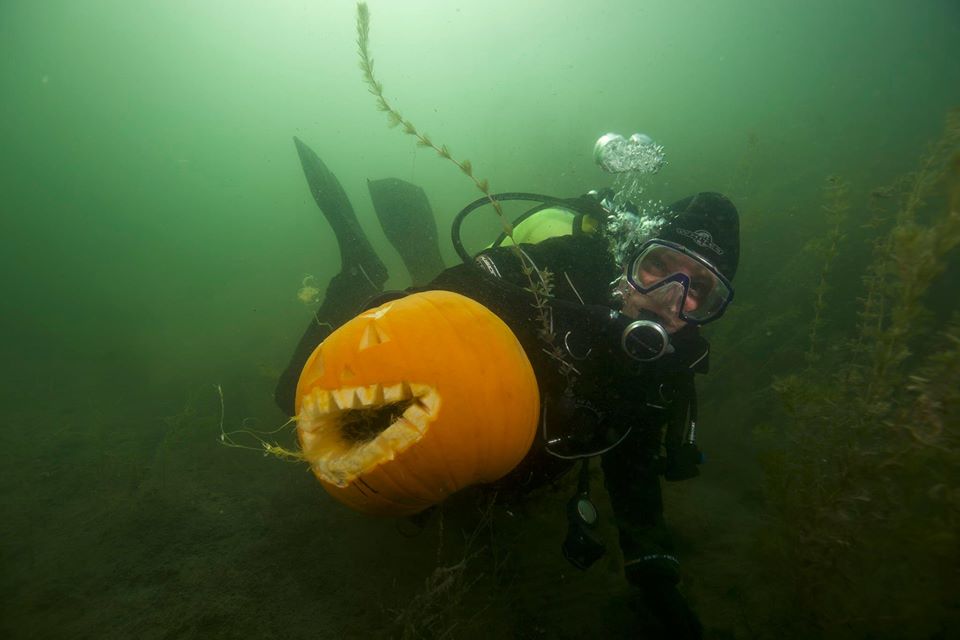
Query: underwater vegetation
{"points": [[539, 281], [438, 609], [740, 183], [862, 475], [395, 119]]}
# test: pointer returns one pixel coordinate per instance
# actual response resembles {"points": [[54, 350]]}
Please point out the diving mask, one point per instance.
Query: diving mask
{"points": [[680, 279]]}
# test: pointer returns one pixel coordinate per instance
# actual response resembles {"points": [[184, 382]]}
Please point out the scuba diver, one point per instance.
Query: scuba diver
{"points": [[628, 292]]}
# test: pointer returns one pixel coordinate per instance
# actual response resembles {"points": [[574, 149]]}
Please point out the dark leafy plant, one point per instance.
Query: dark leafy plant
{"points": [[863, 489]]}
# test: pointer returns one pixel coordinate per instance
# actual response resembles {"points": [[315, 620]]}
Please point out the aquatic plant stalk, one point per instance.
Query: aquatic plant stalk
{"points": [[836, 210], [540, 287]]}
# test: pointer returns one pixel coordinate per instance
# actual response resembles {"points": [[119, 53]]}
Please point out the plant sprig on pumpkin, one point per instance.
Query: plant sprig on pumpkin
{"points": [[394, 119], [268, 448]]}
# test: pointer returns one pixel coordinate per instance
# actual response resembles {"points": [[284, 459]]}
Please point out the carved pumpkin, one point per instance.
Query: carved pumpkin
{"points": [[414, 400]]}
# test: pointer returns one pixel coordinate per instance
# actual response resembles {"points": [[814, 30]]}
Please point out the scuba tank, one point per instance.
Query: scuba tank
{"points": [[628, 159], [549, 217]]}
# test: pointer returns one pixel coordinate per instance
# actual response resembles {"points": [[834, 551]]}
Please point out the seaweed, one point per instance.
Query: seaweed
{"points": [[740, 183], [538, 281], [438, 610], [863, 485]]}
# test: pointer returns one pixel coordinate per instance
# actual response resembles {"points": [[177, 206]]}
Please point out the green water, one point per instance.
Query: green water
{"points": [[155, 228]]}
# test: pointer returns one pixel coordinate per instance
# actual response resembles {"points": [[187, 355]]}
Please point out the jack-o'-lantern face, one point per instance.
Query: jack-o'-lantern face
{"points": [[412, 401]]}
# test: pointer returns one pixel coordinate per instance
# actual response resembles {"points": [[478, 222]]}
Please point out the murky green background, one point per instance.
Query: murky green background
{"points": [[155, 227]]}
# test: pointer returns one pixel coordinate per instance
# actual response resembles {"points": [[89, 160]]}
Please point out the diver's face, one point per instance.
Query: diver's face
{"points": [[664, 301]]}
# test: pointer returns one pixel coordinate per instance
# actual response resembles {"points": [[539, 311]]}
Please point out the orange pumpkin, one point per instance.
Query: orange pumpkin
{"points": [[413, 400]]}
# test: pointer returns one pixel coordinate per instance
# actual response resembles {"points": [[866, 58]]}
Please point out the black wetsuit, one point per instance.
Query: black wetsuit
{"points": [[612, 392]]}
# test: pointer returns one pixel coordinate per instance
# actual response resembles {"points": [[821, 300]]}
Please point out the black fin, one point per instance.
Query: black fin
{"points": [[355, 251], [361, 276], [407, 221]]}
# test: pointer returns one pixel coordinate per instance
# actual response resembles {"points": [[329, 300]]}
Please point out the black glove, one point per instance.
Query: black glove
{"points": [[661, 609], [682, 463]]}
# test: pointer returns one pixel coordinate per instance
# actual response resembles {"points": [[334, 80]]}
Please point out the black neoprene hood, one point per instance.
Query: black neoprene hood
{"points": [[708, 224]]}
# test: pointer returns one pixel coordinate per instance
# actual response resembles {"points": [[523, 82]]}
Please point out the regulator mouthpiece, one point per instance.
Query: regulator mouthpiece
{"points": [[638, 153], [645, 340]]}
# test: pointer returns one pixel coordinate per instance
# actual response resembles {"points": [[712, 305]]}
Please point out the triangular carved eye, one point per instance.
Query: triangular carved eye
{"points": [[373, 335]]}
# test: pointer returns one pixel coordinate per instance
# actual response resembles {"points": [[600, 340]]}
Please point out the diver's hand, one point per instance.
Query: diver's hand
{"points": [[682, 462]]}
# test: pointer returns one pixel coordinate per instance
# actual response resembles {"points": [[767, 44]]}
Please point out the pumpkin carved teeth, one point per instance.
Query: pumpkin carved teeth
{"points": [[347, 432], [370, 396], [344, 398], [396, 392]]}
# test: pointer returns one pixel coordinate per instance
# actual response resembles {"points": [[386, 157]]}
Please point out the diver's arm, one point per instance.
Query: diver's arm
{"points": [[683, 457]]}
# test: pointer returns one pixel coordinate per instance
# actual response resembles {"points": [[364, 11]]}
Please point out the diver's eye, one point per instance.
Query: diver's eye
{"points": [[699, 288], [655, 265]]}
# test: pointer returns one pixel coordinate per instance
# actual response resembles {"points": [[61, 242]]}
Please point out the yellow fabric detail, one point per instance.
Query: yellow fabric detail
{"points": [[548, 223]]}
